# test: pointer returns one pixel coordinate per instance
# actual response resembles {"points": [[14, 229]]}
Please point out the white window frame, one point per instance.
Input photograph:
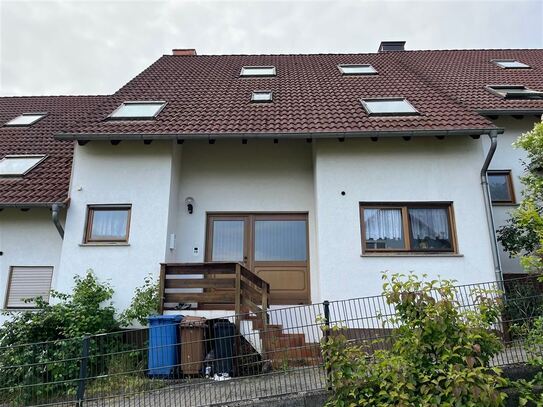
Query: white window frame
{"points": [[367, 107], [22, 174], [37, 119], [244, 71], [112, 115], [495, 89], [372, 71], [51, 269]]}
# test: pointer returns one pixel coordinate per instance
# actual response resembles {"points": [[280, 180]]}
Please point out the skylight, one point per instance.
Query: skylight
{"points": [[138, 110], [510, 63], [18, 165], [258, 71], [26, 119], [388, 107], [349, 69], [515, 92], [262, 96]]}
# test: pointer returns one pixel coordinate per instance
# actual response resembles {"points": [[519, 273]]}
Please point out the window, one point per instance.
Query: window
{"points": [[280, 240], [261, 96], [107, 224], [18, 165], [388, 107], [26, 119], [258, 71], [407, 228], [515, 92], [510, 64], [501, 187], [138, 110], [348, 69], [27, 283]]}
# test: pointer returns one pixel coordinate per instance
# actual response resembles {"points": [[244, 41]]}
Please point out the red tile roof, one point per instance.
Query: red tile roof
{"points": [[207, 96], [48, 182]]}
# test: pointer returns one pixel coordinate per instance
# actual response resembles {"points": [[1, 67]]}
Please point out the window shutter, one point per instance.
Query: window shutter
{"points": [[28, 282]]}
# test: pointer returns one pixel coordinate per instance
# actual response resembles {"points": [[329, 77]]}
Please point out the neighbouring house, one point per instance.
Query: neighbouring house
{"points": [[316, 172]]}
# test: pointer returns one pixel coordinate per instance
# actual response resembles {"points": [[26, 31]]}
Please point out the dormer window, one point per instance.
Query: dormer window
{"points": [[388, 107], [261, 96], [26, 119], [510, 64], [351, 69], [138, 110], [18, 165], [515, 92], [258, 71]]}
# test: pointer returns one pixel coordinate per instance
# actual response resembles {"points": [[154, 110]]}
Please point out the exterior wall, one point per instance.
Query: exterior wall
{"points": [[131, 173], [27, 239], [231, 177], [509, 158], [423, 169]]}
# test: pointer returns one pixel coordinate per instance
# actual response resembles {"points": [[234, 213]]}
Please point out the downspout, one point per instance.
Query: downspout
{"points": [[55, 212], [493, 135]]}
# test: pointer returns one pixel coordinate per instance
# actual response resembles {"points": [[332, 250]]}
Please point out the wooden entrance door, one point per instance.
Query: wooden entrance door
{"points": [[274, 246]]}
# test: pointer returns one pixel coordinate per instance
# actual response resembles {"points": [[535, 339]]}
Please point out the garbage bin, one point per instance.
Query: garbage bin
{"points": [[163, 344], [223, 343], [192, 334]]}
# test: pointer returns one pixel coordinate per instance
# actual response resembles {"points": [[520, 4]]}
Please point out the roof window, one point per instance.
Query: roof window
{"points": [[18, 165], [258, 71], [26, 119], [510, 64], [138, 110], [261, 96], [515, 92], [350, 69], [388, 107]]}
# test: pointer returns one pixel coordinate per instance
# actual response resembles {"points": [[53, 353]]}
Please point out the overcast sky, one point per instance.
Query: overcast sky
{"points": [[95, 46]]}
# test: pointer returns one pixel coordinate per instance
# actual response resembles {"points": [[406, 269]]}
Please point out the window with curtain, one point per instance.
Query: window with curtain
{"points": [[108, 224], [402, 227]]}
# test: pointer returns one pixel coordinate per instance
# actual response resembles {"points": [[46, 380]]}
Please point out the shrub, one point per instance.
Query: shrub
{"points": [[438, 354], [40, 350], [146, 302]]}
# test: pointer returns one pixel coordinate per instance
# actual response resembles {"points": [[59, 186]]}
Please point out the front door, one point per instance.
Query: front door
{"points": [[274, 246]]}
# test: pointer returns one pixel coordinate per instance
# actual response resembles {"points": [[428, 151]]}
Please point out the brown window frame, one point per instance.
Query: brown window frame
{"points": [[91, 209], [406, 226], [510, 187]]}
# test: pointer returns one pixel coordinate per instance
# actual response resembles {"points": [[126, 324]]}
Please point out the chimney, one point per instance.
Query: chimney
{"points": [[184, 52], [387, 46]]}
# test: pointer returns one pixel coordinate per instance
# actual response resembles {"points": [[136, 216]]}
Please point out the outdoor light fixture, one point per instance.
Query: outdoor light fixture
{"points": [[190, 205]]}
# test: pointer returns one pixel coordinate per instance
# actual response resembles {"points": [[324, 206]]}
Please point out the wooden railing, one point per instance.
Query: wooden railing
{"points": [[213, 286]]}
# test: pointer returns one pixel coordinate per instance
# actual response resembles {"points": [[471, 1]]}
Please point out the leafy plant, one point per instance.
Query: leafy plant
{"points": [[438, 354], [146, 302]]}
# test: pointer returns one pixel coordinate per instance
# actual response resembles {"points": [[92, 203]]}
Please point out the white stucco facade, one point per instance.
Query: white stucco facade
{"points": [[27, 238], [510, 158], [392, 170]]}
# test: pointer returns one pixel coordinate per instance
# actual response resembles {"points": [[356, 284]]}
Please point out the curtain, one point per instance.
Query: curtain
{"points": [[228, 240], [381, 224], [109, 224], [430, 223], [280, 240]]}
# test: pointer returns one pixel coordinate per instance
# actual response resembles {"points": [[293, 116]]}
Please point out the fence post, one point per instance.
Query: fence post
{"points": [[83, 371], [326, 305]]}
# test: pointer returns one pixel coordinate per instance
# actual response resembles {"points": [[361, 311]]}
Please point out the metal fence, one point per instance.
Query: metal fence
{"points": [[199, 363]]}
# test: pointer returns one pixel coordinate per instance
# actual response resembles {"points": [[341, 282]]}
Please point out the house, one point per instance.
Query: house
{"points": [[316, 172]]}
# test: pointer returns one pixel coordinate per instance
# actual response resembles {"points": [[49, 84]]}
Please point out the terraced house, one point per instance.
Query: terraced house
{"points": [[315, 172]]}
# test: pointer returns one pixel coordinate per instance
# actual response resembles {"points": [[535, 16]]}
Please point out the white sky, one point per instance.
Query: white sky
{"points": [[95, 46]]}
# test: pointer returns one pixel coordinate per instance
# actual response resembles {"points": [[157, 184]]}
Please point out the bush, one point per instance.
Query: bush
{"points": [[146, 302], [438, 356], [40, 350]]}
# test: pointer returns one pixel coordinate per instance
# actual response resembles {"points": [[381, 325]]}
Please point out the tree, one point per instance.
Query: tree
{"points": [[522, 235]]}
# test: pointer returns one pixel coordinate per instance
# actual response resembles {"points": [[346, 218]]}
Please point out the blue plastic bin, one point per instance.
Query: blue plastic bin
{"points": [[163, 344]]}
